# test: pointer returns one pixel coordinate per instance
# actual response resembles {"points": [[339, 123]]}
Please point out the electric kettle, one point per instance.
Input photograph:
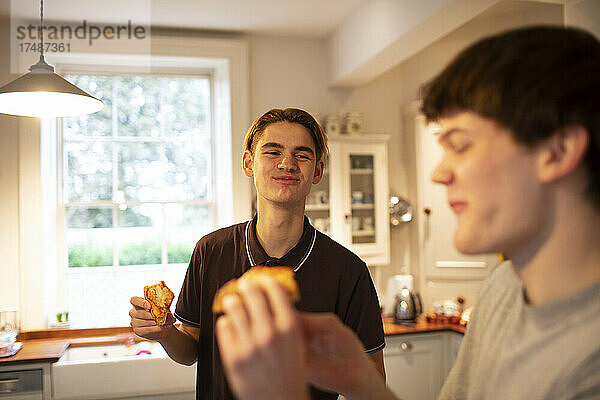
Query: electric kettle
{"points": [[408, 306], [395, 285]]}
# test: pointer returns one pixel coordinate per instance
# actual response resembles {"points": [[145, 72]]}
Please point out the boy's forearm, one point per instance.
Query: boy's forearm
{"points": [[181, 347]]}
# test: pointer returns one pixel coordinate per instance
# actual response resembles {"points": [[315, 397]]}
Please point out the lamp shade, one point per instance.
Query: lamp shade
{"points": [[43, 93]]}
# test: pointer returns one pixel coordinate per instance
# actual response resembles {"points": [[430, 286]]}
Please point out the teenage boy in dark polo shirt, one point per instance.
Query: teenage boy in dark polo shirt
{"points": [[284, 151]]}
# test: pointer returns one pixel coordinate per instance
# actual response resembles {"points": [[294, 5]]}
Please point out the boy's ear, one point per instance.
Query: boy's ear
{"points": [[318, 172], [248, 164], [562, 153]]}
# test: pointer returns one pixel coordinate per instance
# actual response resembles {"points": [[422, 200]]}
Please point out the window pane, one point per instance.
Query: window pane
{"points": [[138, 105], [186, 224], [153, 171], [89, 171], [188, 170], [97, 124], [139, 235], [162, 106], [89, 236], [362, 187], [185, 111]]}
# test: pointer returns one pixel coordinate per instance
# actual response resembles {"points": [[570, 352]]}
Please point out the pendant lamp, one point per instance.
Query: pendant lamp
{"points": [[43, 93]]}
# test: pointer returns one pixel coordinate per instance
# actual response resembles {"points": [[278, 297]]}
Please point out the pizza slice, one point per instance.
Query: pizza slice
{"points": [[284, 275], [160, 298]]}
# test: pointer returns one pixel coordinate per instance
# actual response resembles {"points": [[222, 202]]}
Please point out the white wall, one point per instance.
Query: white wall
{"points": [[584, 14], [288, 72]]}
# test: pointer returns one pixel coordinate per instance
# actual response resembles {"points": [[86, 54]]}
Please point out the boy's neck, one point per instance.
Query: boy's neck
{"points": [[279, 229], [566, 258]]}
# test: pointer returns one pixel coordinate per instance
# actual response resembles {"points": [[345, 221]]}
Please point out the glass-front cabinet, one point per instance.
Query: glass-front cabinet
{"points": [[362, 188], [350, 204]]}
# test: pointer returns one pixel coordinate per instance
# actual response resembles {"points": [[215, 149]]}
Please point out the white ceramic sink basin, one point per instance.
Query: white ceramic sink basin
{"points": [[116, 371]]}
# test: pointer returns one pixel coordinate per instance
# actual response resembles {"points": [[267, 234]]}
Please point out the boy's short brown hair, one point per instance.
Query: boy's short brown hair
{"points": [[293, 115], [534, 81]]}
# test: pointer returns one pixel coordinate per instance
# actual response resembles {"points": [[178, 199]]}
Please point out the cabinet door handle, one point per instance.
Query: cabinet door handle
{"points": [[427, 210], [406, 346], [9, 385]]}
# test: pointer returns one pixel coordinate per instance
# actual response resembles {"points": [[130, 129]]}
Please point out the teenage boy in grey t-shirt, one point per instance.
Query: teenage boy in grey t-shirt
{"points": [[520, 119]]}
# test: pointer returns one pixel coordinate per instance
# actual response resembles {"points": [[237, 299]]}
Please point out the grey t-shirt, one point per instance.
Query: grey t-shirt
{"points": [[515, 350]]}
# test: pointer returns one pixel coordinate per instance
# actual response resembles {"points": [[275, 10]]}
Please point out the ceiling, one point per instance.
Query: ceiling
{"points": [[292, 18]]}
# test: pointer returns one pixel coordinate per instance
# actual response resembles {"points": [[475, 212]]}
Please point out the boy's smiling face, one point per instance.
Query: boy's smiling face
{"points": [[284, 164]]}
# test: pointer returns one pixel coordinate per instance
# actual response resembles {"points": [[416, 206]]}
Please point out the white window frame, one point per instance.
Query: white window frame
{"points": [[41, 265]]}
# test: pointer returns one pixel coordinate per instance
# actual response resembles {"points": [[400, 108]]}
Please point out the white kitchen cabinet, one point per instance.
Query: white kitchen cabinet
{"points": [[438, 257], [416, 364], [351, 202]]}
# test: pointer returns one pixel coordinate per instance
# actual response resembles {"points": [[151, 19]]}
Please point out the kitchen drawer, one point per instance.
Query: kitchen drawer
{"points": [[21, 384]]}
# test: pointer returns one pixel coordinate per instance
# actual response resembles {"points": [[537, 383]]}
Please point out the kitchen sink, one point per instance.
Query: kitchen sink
{"points": [[143, 370]]}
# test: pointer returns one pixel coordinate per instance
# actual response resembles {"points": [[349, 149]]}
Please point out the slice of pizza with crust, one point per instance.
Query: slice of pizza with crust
{"points": [[160, 298], [283, 275]]}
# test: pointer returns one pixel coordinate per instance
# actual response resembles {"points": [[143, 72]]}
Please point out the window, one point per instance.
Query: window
{"points": [[138, 190], [46, 285]]}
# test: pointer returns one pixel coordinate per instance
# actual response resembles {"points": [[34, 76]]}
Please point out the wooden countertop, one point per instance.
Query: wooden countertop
{"points": [[35, 351], [421, 326], [48, 346]]}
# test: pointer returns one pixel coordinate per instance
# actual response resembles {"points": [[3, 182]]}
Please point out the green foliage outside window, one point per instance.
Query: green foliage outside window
{"points": [[140, 253], [178, 253], [145, 253], [86, 255]]}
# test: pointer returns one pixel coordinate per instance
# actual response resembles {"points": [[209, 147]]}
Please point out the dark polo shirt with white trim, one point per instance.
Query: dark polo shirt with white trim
{"points": [[331, 279]]}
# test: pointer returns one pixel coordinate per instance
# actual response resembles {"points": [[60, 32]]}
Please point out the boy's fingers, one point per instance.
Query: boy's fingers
{"points": [[283, 311], [238, 318], [259, 310], [140, 302]]}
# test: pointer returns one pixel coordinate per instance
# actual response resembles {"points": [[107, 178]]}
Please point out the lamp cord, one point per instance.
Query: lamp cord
{"points": [[42, 29]]}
